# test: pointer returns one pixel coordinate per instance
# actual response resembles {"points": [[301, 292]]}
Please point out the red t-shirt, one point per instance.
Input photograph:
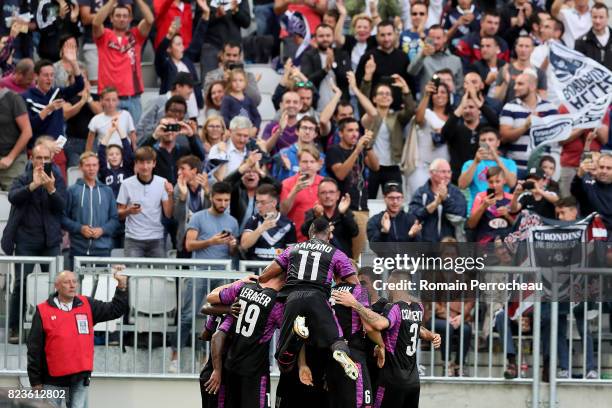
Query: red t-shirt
{"points": [[119, 62], [572, 151], [304, 201], [165, 12]]}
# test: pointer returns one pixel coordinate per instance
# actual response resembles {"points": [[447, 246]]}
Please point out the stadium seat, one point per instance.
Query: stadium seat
{"points": [[266, 108], [269, 77], [5, 206], [152, 303], [37, 292], [74, 173], [105, 290]]}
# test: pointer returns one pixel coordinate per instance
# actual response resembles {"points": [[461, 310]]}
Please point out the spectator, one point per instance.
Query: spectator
{"points": [[38, 199], [183, 86], [548, 165], [472, 82], [223, 28], [213, 132], [111, 117], [286, 161], [235, 102], [386, 59], [551, 31], [346, 162], [531, 195], [461, 129], [431, 115], [434, 13], [387, 130], [474, 172], [140, 202], [268, 231], [244, 183], [594, 186], [324, 64], [117, 161], [506, 81], [333, 113], [358, 43], [90, 215], [211, 234], [22, 77], [282, 133], [575, 18], [336, 210], [191, 194], [310, 10], [54, 332], [295, 80], [439, 205], [468, 47], [63, 68], [265, 19], [53, 20], [434, 56], [490, 215], [489, 66], [49, 120], [164, 141], [7, 49], [120, 50], [231, 58], [596, 43], [515, 119], [394, 224], [412, 39], [515, 19], [461, 20], [16, 133], [78, 113], [226, 160], [175, 54], [299, 192], [214, 96], [172, 15]]}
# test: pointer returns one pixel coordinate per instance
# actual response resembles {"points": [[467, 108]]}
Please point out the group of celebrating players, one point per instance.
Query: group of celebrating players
{"points": [[333, 346]]}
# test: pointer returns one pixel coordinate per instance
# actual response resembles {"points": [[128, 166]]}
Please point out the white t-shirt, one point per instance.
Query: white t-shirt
{"points": [[539, 54], [382, 145], [101, 123], [147, 224], [576, 25], [427, 150], [603, 39]]}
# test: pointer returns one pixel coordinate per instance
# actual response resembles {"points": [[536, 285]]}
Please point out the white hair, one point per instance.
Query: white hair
{"points": [[434, 164], [240, 122]]}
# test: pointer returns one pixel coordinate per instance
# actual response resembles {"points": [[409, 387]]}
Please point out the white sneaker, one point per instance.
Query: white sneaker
{"points": [[592, 375], [300, 328], [422, 370], [562, 374], [173, 367], [349, 366]]}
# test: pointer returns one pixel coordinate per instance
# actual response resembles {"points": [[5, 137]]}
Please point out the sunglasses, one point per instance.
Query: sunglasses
{"points": [[418, 14], [303, 84]]}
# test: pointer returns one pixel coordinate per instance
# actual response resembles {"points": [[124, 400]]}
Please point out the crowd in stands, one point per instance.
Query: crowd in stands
{"points": [[427, 104]]}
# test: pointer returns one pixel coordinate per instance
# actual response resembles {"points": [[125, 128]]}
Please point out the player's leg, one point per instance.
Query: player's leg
{"points": [[389, 397], [363, 383], [413, 393], [292, 334]]}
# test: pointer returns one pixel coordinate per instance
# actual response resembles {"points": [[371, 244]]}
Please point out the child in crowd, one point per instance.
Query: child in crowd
{"points": [[100, 124], [236, 103], [116, 161]]}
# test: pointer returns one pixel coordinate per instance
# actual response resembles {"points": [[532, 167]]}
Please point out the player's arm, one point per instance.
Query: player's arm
{"points": [[272, 271], [428, 335], [215, 310], [368, 316], [352, 279], [214, 297], [217, 344]]}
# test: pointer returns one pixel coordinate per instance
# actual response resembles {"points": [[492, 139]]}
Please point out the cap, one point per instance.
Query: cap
{"points": [[535, 172], [183, 78], [392, 187]]}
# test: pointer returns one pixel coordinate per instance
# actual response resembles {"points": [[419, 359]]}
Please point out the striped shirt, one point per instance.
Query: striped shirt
{"points": [[515, 114]]}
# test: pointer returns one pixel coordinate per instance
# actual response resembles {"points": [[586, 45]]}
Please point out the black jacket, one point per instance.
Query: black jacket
{"points": [[165, 165], [345, 229], [239, 200], [35, 213], [590, 46], [37, 361], [311, 67]]}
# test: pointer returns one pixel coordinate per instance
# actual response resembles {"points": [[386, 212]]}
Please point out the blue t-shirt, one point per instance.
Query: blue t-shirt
{"points": [[209, 225], [479, 182]]}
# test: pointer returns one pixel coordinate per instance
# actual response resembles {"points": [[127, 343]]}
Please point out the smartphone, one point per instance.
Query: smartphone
{"points": [[483, 145], [48, 168], [435, 78], [177, 22], [303, 177], [61, 141], [528, 185], [587, 155], [269, 216], [225, 233], [172, 127], [136, 205], [54, 95], [386, 80], [429, 41], [490, 191]]}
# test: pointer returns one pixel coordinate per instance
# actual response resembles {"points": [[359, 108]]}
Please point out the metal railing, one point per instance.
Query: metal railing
{"points": [[164, 295]]}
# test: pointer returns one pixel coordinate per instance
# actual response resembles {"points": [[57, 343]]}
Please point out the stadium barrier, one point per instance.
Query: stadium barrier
{"points": [[158, 287]]}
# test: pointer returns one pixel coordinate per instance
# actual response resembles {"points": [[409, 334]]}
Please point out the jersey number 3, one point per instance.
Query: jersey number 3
{"points": [[414, 331], [247, 318], [304, 262]]}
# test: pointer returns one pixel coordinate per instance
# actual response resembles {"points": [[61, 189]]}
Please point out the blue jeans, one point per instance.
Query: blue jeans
{"points": [[73, 150], [187, 303], [562, 341], [76, 395], [266, 20], [150, 248], [132, 105], [505, 330], [440, 327]]}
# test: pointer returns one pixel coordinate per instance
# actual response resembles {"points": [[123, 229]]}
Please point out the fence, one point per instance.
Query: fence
{"points": [[163, 293]]}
